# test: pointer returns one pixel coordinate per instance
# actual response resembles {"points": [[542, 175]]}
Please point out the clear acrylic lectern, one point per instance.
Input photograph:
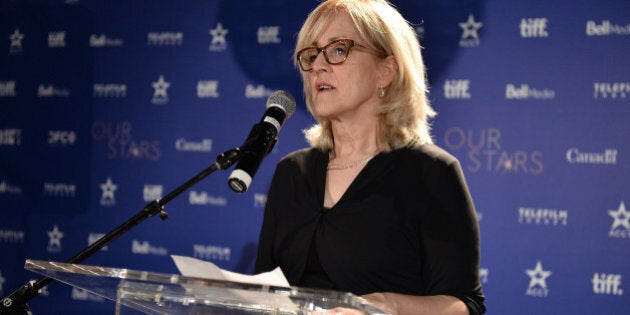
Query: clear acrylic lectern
{"points": [[159, 293]]}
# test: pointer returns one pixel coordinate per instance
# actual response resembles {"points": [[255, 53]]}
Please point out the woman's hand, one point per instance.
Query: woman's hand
{"points": [[381, 301]]}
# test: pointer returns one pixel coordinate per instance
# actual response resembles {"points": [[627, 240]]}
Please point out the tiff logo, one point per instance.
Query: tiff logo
{"points": [[10, 137], [152, 192], [268, 34], [7, 88], [608, 284], [534, 27], [457, 89], [208, 89], [56, 39]]}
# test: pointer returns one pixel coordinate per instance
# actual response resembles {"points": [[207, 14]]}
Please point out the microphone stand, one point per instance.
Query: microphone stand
{"points": [[15, 303]]}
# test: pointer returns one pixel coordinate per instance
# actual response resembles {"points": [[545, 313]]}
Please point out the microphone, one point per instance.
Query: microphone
{"points": [[261, 139]]}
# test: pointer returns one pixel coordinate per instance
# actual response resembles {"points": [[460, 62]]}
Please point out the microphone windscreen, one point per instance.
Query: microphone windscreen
{"points": [[283, 100]]}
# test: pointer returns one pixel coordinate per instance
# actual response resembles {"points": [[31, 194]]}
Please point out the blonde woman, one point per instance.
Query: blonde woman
{"points": [[373, 207]]}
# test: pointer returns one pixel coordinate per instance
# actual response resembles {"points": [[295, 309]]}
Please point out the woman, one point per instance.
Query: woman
{"points": [[373, 207]]}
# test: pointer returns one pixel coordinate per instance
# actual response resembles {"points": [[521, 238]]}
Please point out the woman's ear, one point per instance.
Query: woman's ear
{"points": [[389, 69]]}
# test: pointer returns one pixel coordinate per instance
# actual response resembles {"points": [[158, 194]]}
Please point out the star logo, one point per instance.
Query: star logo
{"points": [[218, 42], [621, 224], [108, 188], [470, 37], [470, 28], [160, 95], [16, 42], [54, 242], [538, 280]]}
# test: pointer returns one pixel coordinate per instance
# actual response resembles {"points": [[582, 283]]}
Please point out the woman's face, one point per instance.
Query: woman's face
{"points": [[349, 89]]}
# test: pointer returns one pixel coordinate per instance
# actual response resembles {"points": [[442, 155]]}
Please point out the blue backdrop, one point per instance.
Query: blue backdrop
{"points": [[107, 105]]}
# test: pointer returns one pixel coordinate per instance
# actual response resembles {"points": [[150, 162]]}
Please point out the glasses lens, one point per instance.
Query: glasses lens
{"points": [[337, 52], [307, 57]]}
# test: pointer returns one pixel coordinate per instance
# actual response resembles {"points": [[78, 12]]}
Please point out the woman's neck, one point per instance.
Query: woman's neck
{"points": [[353, 141]]}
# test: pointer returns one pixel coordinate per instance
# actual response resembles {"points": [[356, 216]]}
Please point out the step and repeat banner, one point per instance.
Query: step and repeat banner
{"points": [[108, 105]]}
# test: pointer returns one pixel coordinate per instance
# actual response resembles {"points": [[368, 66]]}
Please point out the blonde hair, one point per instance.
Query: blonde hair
{"points": [[405, 110]]}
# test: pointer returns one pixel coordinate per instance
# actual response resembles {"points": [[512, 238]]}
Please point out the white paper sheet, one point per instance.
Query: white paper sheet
{"points": [[193, 267]]}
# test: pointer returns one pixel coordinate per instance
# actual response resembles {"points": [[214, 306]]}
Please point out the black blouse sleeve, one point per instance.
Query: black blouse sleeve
{"points": [[450, 236], [264, 260]]}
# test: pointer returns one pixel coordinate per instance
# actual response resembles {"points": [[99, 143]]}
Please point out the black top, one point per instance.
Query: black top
{"points": [[406, 224]]}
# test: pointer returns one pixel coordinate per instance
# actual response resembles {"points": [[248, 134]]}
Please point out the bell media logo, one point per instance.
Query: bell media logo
{"points": [[606, 28], [538, 281], [204, 199], [146, 248], [621, 222], [259, 91], [50, 90], [99, 41], [525, 92]]}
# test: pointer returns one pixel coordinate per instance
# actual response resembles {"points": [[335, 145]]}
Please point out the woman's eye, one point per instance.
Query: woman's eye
{"points": [[340, 51]]}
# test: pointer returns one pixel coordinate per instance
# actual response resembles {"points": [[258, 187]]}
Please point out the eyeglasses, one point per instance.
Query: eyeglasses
{"points": [[335, 52]]}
